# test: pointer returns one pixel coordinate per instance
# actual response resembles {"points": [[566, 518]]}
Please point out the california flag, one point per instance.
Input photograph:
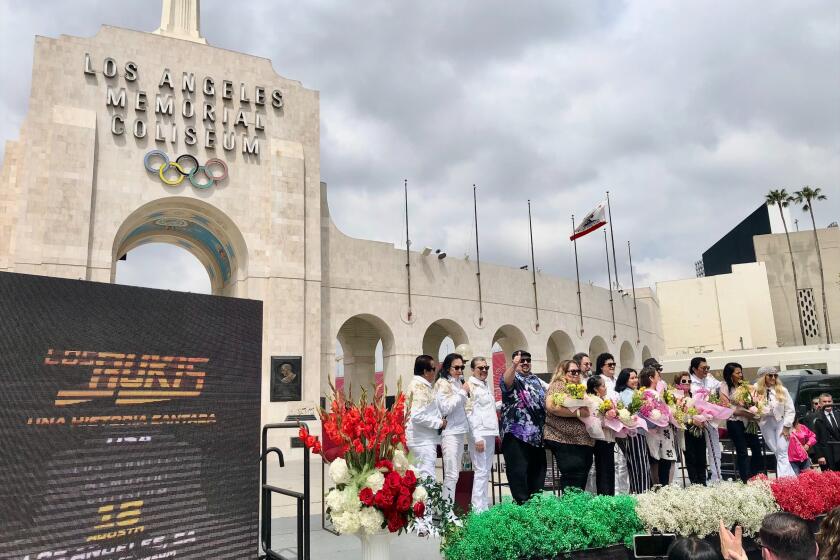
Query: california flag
{"points": [[595, 219]]}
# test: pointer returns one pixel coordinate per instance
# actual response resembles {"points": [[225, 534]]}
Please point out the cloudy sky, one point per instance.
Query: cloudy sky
{"points": [[688, 112]]}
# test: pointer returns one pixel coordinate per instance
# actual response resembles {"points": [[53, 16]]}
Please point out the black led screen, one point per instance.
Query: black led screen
{"points": [[129, 422]]}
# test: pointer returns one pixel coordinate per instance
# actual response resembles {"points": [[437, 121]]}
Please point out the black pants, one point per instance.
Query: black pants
{"points": [[661, 471], [525, 466], [636, 454], [605, 467], [573, 462], [695, 458], [748, 466]]}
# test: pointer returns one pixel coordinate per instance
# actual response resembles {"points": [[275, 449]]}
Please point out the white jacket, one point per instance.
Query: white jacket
{"points": [[425, 421], [781, 411], [451, 400], [481, 410]]}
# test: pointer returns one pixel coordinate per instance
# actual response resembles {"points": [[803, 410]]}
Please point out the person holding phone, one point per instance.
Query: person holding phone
{"points": [[523, 418], [451, 395]]}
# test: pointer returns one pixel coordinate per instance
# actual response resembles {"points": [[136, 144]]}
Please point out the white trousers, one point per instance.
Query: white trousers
{"points": [[424, 460], [452, 446], [713, 453], [482, 463], [771, 429]]}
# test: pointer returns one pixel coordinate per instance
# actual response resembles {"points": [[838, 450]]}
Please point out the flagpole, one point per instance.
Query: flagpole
{"points": [[612, 308], [533, 266], [577, 274], [407, 249], [477, 260], [633, 284], [612, 242]]}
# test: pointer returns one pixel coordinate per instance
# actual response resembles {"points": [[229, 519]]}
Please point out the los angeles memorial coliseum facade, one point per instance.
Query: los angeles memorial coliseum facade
{"points": [[242, 191]]}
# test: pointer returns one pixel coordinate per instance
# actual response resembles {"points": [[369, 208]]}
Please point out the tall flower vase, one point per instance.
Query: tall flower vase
{"points": [[377, 546]]}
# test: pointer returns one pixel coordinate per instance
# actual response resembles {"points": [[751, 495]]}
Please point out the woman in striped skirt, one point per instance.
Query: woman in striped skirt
{"points": [[635, 447]]}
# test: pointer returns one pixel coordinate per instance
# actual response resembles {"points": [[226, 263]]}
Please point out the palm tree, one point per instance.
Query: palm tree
{"points": [[782, 199], [806, 197]]}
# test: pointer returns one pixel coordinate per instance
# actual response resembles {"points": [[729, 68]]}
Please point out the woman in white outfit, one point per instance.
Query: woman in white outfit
{"points": [[451, 396], [776, 423], [484, 428]]}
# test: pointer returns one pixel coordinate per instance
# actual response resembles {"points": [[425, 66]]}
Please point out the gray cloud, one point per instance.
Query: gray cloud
{"points": [[687, 112]]}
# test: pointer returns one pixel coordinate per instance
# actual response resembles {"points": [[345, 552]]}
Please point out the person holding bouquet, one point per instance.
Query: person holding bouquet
{"points": [[703, 382], [484, 427], [660, 438], [738, 395], [565, 433], [694, 438], [777, 421], [634, 446], [802, 440], [451, 395]]}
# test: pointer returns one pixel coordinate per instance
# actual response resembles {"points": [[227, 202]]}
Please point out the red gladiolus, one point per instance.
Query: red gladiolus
{"points": [[419, 509], [385, 464]]}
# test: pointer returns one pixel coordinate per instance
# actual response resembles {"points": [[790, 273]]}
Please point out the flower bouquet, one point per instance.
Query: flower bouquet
{"points": [[745, 397], [685, 416], [808, 495], [708, 403], [375, 488], [654, 410], [620, 419], [572, 396]]}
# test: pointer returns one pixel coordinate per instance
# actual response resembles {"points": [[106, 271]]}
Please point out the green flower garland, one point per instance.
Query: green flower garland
{"points": [[544, 527]]}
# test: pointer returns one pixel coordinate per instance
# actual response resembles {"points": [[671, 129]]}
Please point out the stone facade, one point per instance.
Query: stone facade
{"points": [[264, 232]]}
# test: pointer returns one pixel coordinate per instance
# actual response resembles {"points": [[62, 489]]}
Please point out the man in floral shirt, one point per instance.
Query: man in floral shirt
{"points": [[523, 416]]}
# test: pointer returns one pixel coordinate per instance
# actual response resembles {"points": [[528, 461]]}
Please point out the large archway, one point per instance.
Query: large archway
{"points": [[559, 347], [442, 336], [163, 266], [509, 339], [202, 229], [627, 357], [359, 338]]}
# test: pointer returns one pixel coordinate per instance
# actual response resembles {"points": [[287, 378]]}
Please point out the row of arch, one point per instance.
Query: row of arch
{"points": [[359, 337]]}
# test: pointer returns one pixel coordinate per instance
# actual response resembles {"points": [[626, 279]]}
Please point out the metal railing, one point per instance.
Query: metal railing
{"points": [[268, 490]]}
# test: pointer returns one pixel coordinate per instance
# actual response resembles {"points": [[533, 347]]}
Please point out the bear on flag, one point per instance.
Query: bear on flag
{"points": [[592, 221]]}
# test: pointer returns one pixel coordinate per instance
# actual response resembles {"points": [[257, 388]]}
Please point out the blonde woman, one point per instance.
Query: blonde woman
{"points": [[777, 422], [565, 433]]}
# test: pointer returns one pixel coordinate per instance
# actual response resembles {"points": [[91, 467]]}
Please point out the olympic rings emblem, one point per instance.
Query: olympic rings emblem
{"points": [[185, 165]]}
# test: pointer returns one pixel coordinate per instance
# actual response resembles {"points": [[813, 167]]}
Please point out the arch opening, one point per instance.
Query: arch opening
{"points": [[627, 357], [144, 266], [596, 347], [195, 226], [364, 354], [558, 348], [646, 353], [509, 339], [443, 337]]}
